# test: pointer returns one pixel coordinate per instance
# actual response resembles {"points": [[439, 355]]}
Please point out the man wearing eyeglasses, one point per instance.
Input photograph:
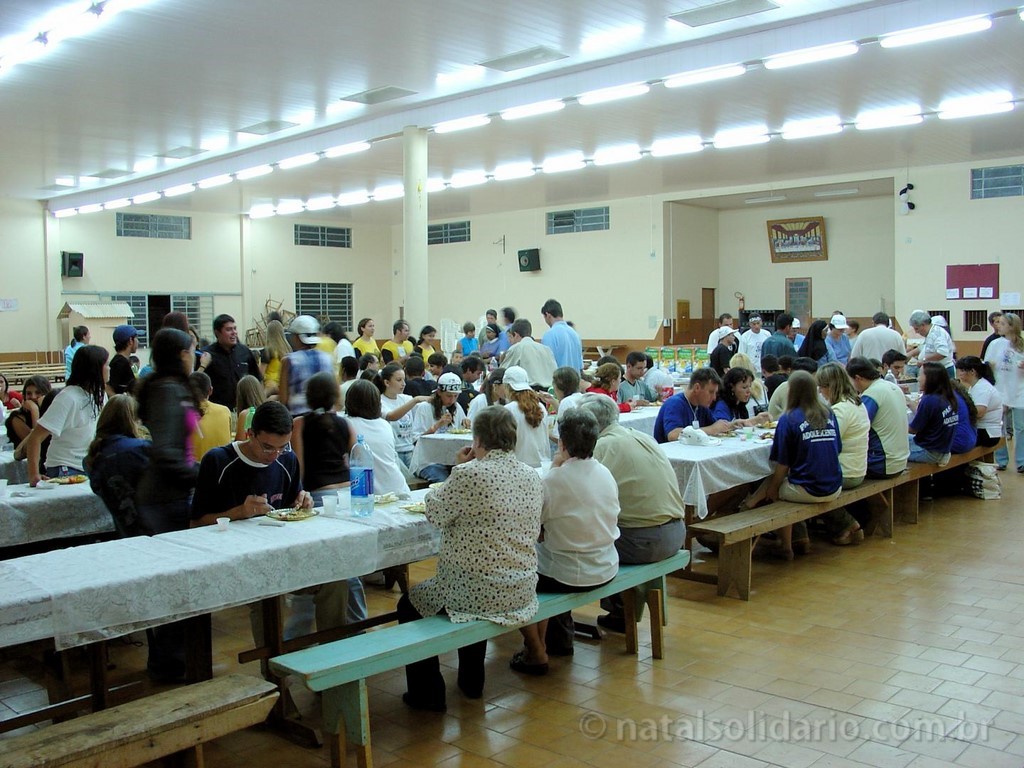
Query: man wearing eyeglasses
{"points": [[251, 477]]}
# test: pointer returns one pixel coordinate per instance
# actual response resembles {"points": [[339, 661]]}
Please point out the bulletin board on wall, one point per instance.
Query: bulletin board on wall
{"points": [[972, 282], [798, 296]]}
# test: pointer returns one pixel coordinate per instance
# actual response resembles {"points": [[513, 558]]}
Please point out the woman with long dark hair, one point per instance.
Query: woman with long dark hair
{"points": [[491, 393], [396, 407], [70, 421], [934, 424], [977, 376], [117, 459], [733, 398], [425, 343]]}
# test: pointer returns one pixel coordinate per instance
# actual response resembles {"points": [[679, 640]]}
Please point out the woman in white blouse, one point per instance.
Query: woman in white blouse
{"points": [[396, 407], [489, 514], [576, 551], [532, 445], [438, 414], [977, 376], [1006, 356], [492, 393]]}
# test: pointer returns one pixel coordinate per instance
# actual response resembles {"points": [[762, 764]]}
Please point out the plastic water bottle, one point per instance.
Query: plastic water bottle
{"points": [[360, 471]]}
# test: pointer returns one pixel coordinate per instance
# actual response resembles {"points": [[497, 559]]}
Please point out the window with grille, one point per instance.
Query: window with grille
{"points": [[975, 320], [579, 220], [325, 237], [326, 302], [452, 232], [154, 225], [197, 308], [1003, 181], [942, 313], [139, 302]]}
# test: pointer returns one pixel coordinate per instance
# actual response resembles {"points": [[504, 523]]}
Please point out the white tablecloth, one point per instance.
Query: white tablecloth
{"points": [[440, 448], [12, 471], [704, 470], [640, 419], [29, 515], [83, 594]]}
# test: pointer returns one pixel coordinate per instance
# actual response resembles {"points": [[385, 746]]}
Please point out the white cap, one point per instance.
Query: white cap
{"points": [[306, 328], [449, 382], [796, 322], [724, 332], [838, 321], [516, 379]]}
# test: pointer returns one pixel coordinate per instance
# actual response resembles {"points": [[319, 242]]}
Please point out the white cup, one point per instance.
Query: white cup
{"points": [[331, 505], [222, 523], [3, 488]]}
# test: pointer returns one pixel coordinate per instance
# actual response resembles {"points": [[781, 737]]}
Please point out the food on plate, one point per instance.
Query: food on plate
{"points": [[292, 515], [770, 424], [766, 436], [460, 431], [417, 506], [68, 480], [385, 498]]}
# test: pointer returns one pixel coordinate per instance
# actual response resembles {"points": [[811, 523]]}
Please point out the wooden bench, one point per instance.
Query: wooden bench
{"points": [[339, 669], [146, 729], [736, 533]]}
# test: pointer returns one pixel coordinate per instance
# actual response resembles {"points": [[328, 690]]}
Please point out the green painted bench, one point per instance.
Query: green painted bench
{"points": [[737, 533], [339, 669]]}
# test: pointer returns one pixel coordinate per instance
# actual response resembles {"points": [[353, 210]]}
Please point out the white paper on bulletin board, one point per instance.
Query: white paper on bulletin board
{"points": [[1009, 299], [970, 293], [952, 293], [985, 292]]}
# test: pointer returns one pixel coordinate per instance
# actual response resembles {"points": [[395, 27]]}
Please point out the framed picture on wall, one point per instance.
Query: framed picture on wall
{"points": [[797, 239]]}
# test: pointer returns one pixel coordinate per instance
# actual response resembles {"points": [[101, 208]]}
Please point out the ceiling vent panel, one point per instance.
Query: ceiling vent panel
{"points": [[379, 95], [267, 127], [531, 57], [730, 9]]}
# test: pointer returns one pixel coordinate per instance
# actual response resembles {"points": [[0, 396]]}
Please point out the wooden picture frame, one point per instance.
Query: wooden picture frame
{"points": [[796, 240]]}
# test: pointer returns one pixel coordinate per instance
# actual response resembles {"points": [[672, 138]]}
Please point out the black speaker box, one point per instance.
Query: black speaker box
{"points": [[529, 260], [72, 264]]}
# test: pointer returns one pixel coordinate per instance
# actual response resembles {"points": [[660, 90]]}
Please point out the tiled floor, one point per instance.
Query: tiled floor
{"points": [[906, 653]]}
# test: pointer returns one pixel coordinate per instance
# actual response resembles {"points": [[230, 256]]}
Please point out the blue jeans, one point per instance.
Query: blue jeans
{"points": [[1013, 422], [435, 473], [923, 455]]}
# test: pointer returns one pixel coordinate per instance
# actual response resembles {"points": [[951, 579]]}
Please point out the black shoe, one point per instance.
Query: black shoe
{"points": [[612, 623], [520, 664], [426, 706]]}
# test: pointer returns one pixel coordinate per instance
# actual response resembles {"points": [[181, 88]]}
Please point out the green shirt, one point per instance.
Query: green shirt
{"points": [[640, 389]]}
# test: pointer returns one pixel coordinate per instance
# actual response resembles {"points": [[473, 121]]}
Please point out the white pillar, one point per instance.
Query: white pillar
{"points": [[414, 228]]}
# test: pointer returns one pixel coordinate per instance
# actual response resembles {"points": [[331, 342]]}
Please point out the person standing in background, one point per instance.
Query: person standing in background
{"points": [[227, 361], [561, 338], [80, 337]]}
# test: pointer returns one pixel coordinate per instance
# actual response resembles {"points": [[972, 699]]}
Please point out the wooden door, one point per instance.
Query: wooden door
{"points": [[682, 328]]}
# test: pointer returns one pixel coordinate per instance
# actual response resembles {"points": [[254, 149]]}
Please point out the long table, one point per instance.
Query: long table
{"points": [[51, 512], [10, 470]]}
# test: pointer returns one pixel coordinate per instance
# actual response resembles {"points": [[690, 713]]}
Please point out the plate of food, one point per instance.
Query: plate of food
{"points": [[460, 431], [385, 498], [292, 515], [417, 507], [766, 436], [68, 480]]}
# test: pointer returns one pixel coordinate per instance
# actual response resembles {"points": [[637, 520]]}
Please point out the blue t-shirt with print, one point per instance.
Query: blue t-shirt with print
{"points": [[812, 455], [965, 437], [935, 424], [676, 413]]}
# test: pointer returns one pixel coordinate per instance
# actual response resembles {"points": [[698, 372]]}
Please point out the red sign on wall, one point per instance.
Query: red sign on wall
{"points": [[972, 281]]}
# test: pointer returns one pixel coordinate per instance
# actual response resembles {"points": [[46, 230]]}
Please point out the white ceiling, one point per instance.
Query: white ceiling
{"points": [[174, 73]]}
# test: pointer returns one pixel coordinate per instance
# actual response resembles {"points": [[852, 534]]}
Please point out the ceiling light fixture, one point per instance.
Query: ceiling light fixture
{"points": [[805, 129], [741, 137], [346, 149], [289, 206], [707, 75], [530, 110], [462, 124], [216, 181], [181, 189], [561, 163], [298, 161], [121, 202], [811, 55], [261, 211], [353, 198], [145, 197], [388, 192], [941, 31], [603, 95], [680, 145], [509, 171], [467, 179], [974, 106], [93, 208], [320, 203], [889, 117], [838, 192], [625, 153], [255, 172], [435, 185], [765, 199], [65, 213]]}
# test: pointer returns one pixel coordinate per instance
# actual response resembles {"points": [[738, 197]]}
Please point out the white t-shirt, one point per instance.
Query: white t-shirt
{"points": [[387, 476], [423, 418], [403, 426], [565, 404], [581, 512], [750, 345], [532, 444], [985, 394], [476, 405], [1005, 361], [343, 350], [854, 425], [71, 419]]}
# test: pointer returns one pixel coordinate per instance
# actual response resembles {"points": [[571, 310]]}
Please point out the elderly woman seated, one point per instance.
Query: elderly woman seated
{"points": [[489, 514], [576, 551]]}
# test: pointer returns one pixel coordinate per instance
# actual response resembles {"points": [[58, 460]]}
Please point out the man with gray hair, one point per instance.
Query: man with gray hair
{"points": [[650, 505], [937, 346]]}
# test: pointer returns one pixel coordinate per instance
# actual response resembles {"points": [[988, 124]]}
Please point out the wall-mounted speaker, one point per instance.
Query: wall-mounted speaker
{"points": [[529, 260], [72, 264]]}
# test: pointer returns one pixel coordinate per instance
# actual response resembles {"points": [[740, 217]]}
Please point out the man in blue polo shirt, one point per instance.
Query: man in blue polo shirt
{"points": [[680, 411], [561, 338]]}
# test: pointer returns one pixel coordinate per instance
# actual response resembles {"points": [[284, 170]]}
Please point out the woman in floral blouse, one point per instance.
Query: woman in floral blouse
{"points": [[489, 515]]}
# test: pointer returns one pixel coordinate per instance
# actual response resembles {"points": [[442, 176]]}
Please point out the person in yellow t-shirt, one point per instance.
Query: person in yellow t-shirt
{"points": [[399, 348], [273, 353], [366, 344], [215, 420]]}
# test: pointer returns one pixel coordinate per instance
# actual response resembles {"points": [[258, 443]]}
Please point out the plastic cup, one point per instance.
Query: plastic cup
{"points": [[222, 523], [331, 505]]}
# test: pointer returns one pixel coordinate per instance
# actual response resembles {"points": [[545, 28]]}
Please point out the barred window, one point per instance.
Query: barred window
{"points": [[451, 232], [154, 225], [579, 220], [327, 237], [326, 302], [1002, 181], [139, 302]]}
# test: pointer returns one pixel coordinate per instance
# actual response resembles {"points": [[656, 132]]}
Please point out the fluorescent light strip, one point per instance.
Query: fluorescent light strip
{"points": [[121, 202], [468, 179], [181, 189], [255, 172], [347, 149], [320, 203], [707, 75], [462, 124], [531, 110], [216, 181], [509, 171], [838, 192], [889, 117], [145, 197], [388, 192], [625, 153], [353, 198], [298, 161], [681, 145], [93, 208], [974, 106], [290, 206], [765, 199], [741, 137], [561, 163], [615, 93], [941, 31], [805, 129], [261, 211], [435, 185], [811, 55], [65, 213]]}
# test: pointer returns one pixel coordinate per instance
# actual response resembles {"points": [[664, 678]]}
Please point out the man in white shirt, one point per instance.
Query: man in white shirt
{"points": [[536, 359], [724, 321], [874, 342], [752, 339], [937, 346]]}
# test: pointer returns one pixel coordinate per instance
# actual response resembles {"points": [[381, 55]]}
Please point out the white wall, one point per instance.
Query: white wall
{"points": [[694, 257], [23, 275]]}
